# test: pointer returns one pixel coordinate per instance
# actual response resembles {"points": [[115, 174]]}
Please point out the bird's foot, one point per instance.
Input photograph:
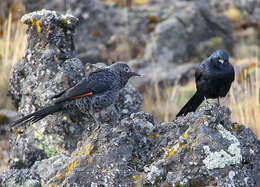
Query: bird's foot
{"points": [[95, 119], [218, 102], [97, 123], [206, 101]]}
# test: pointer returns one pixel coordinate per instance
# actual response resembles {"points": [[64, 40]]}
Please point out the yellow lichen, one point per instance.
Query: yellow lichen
{"points": [[76, 155], [56, 58], [33, 21], [171, 152], [185, 135], [181, 146], [235, 124], [88, 149], [18, 131], [71, 166], [36, 23], [58, 175], [65, 20], [95, 34], [38, 26]]}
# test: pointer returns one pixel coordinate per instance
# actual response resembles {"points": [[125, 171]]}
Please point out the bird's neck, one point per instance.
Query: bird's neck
{"points": [[122, 81]]}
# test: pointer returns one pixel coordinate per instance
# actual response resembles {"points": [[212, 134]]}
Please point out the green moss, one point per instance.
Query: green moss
{"points": [[40, 146], [11, 182], [38, 136], [50, 152]]}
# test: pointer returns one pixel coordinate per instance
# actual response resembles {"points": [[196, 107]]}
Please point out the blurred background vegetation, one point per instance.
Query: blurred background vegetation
{"points": [[164, 103]]}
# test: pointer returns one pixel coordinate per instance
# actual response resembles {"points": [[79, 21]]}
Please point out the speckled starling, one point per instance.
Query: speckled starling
{"points": [[213, 79], [92, 94]]}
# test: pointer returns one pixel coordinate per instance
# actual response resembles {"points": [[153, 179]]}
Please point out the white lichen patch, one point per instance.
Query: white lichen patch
{"points": [[153, 173], [37, 15], [220, 159]]}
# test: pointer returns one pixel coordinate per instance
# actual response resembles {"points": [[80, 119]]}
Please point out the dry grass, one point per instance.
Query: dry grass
{"points": [[165, 104], [12, 47], [243, 98]]}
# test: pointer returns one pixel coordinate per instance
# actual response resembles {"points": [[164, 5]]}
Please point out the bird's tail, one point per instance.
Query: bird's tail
{"points": [[192, 104], [38, 115]]}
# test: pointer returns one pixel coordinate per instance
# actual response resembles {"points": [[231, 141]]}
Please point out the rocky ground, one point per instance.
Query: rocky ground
{"points": [[160, 40]]}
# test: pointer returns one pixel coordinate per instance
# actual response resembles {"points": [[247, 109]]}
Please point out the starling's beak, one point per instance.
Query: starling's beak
{"points": [[221, 61], [135, 74]]}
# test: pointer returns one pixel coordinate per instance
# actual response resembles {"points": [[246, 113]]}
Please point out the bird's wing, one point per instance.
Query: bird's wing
{"points": [[198, 73], [97, 82]]}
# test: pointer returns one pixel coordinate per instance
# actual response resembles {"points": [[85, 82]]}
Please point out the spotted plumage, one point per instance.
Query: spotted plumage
{"points": [[95, 92]]}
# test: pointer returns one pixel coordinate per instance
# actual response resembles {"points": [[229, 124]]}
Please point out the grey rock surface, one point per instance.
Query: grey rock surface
{"points": [[175, 27], [177, 38], [163, 74], [49, 67], [250, 9], [204, 148]]}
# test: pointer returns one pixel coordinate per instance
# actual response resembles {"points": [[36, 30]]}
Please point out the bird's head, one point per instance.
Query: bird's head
{"points": [[220, 57], [124, 72]]}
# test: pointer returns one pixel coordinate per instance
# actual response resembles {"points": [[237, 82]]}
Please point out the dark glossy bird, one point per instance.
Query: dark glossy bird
{"points": [[92, 94], [213, 79]]}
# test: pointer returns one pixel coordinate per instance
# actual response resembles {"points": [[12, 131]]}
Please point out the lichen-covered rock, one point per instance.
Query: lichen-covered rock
{"points": [[37, 77], [38, 175], [201, 149], [49, 67], [210, 152]]}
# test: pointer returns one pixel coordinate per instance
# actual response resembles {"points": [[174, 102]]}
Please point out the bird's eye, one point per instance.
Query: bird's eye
{"points": [[126, 69]]}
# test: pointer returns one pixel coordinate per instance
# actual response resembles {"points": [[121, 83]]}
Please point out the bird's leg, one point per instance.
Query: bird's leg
{"points": [[218, 102], [206, 101], [92, 113], [94, 117]]}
